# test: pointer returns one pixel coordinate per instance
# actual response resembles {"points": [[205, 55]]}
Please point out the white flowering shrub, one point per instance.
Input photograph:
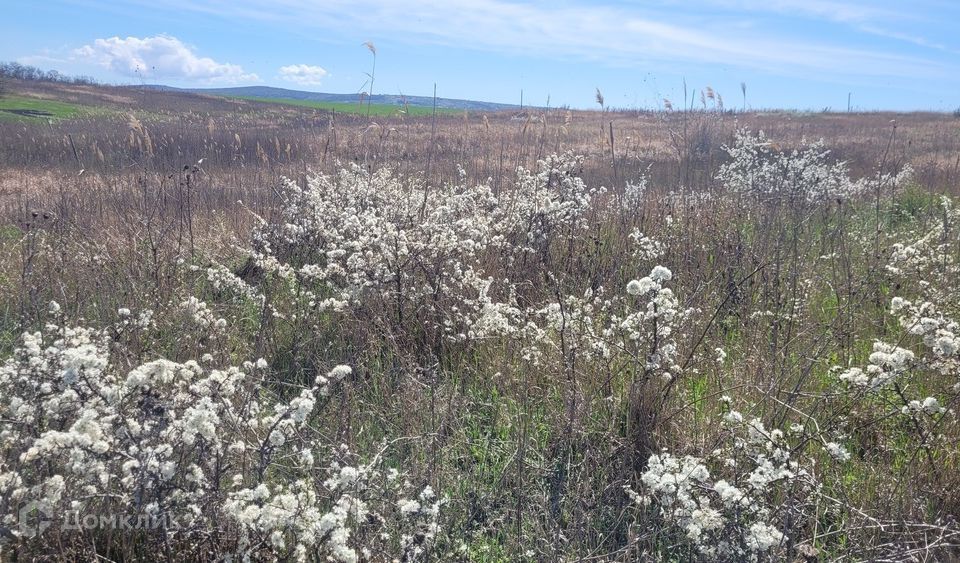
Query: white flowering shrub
{"points": [[900, 381], [539, 369], [755, 505], [758, 169], [570, 329], [633, 194], [929, 261], [551, 203], [213, 454], [359, 235], [916, 372], [380, 243], [647, 248], [483, 316], [650, 329], [222, 280]]}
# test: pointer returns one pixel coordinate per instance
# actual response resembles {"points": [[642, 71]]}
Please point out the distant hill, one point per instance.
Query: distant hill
{"points": [[269, 92]]}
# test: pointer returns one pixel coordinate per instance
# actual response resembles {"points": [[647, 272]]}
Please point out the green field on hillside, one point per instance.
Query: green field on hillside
{"points": [[32, 109], [379, 110]]}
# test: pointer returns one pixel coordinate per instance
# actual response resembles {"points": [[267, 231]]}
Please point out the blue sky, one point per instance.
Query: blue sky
{"points": [[805, 54]]}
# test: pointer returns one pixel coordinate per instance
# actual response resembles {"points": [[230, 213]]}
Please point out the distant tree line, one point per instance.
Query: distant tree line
{"points": [[19, 71]]}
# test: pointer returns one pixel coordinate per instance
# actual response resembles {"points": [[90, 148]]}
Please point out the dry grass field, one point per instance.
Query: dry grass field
{"points": [[267, 331]]}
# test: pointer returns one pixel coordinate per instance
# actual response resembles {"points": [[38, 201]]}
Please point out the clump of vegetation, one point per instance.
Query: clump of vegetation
{"points": [[749, 353]]}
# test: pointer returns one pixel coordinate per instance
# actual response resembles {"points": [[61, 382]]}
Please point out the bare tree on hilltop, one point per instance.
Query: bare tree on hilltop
{"points": [[17, 71]]}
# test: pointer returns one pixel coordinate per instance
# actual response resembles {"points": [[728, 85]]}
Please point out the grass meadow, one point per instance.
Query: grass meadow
{"points": [[359, 108], [244, 329]]}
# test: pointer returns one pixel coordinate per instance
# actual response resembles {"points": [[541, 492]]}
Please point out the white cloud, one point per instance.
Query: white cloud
{"points": [[656, 32], [831, 10], [304, 75], [161, 56]]}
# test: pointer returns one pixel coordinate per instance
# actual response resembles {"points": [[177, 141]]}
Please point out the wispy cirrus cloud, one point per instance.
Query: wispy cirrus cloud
{"points": [[872, 18], [303, 74], [662, 31], [160, 56], [832, 10]]}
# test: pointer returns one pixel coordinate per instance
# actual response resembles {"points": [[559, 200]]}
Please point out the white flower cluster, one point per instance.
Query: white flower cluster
{"points": [[191, 444], [938, 333], [759, 169], [373, 240], [930, 406], [201, 314], [646, 248], [634, 193], [484, 316], [222, 279], [887, 363], [731, 518], [679, 486], [653, 325], [837, 452], [573, 326], [357, 495], [606, 332], [931, 262], [553, 202]]}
